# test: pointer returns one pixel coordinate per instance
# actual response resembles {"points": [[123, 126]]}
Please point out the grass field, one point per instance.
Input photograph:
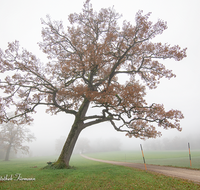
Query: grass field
{"points": [[168, 158], [85, 175]]}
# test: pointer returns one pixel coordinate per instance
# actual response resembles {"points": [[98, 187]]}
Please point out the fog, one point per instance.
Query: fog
{"points": [[102, 137], [20, 20]]}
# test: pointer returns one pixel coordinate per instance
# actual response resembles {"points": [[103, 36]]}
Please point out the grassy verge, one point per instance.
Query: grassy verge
{"points": [[85, 175], [168, 158]]}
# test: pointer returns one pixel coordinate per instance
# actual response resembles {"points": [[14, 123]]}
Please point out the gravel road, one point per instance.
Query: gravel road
{"points": [[189, 174]]}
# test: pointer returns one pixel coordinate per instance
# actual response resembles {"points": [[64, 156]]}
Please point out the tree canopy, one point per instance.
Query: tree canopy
{"points": [[86, 61]]}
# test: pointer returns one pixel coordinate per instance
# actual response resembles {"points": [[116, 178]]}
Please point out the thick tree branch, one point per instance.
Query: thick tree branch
{"points": [[60, 107]]}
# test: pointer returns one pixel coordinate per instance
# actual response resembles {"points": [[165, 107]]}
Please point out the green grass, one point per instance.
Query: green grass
{"points": [[85, 175], [168, 158]]}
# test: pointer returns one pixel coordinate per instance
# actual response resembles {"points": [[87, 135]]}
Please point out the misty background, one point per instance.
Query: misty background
{"points": [[20, 20]]}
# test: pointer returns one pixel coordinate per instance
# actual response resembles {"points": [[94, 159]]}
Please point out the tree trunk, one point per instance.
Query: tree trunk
{"points": [[8, 152], [77, 127], [64, 158]]}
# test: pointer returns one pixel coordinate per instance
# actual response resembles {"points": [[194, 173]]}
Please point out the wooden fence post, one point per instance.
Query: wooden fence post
{"points": [[190, 155], [143, 157]]}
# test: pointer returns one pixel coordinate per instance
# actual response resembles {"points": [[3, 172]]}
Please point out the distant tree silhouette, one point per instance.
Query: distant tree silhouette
{"points": [[13, 136]]}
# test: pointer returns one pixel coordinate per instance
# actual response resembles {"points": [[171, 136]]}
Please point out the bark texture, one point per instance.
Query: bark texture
{"points": [[77, 127]]}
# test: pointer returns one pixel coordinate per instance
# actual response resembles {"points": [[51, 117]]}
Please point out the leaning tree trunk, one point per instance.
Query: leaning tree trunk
{"points": [[64, 158], [77, 127], [8, 152]]}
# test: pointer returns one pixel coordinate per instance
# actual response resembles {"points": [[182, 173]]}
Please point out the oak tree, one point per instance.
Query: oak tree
{"points": [[85, 64], [12, 136]]}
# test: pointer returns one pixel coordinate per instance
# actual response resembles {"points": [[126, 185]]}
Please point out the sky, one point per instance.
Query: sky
{"points": [[20, 20]]}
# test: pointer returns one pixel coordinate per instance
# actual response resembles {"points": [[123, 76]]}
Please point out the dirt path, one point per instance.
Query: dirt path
{"points": [[192, 175]]}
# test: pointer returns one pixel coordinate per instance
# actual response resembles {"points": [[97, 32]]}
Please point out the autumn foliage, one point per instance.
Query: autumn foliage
{"points": [[86, 62]]}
